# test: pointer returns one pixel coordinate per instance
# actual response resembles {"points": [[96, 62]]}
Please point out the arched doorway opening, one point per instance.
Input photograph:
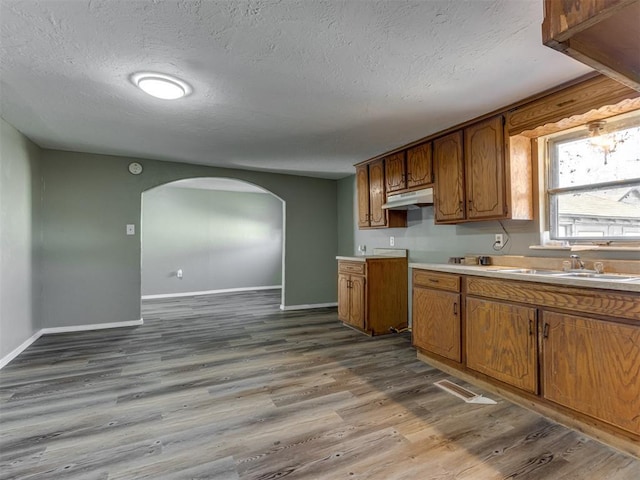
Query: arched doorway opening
{"points": [[211, 235]]}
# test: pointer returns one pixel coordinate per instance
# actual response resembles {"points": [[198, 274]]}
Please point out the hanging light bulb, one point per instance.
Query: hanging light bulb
{"points": [[599, 138]]}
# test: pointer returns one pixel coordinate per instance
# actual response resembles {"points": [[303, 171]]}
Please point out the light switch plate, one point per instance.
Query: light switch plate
{"points": [[131, 229]]}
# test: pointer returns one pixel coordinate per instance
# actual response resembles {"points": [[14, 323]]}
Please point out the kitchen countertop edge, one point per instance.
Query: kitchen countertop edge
{"points": [[490, 271]]}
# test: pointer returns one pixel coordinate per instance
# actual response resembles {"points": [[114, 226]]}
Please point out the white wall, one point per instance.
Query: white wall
{"points": [[19, 238], [220, 240]]}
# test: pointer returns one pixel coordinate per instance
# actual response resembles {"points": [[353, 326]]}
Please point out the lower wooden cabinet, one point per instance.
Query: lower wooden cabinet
{"points": [[351, 299], [436, 322], [502, 342], [592, 366], [372, 294], [571, 353]]}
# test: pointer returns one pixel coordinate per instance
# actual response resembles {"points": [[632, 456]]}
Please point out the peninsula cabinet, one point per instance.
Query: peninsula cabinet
{"points": [[593, 367], [409, 170], [370, 186], [502, 342], [372, 293], [481, 176], [436, 313]]}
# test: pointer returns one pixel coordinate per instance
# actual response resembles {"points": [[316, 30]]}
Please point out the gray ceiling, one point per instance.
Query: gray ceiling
{"points": [[300, 86]]}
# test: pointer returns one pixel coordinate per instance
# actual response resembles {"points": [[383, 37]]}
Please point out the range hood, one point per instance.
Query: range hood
{"points": [[410, 200]]}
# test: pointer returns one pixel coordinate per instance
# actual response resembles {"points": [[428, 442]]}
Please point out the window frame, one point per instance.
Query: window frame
{"points": [[552, 193]]}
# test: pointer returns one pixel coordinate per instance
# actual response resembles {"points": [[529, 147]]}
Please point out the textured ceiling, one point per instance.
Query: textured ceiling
{"points": [[299, 86]]}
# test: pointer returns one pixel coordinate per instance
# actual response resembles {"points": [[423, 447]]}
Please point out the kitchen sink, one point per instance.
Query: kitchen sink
{"points": [[559, 273], [531, 271]]}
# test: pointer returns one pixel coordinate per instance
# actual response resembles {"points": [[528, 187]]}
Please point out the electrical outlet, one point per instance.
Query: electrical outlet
{"points": [[392, 241], [131, 229], [499, 240]]}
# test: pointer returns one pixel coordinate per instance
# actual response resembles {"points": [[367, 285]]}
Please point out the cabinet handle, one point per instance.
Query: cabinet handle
{"points": [[470, 204], [530, 327], [433, 280], [455, 309], [545, 332], [461, 206]]}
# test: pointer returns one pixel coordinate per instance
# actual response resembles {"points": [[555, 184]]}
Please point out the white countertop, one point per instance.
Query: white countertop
{"points": [[490, 271]]}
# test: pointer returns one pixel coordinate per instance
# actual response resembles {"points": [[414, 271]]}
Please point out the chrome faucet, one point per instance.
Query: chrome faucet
{"points": [[576, 262]]}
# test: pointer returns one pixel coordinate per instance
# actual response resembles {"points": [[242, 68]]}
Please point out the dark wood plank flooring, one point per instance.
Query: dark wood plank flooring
{"points": [[229, 387]]}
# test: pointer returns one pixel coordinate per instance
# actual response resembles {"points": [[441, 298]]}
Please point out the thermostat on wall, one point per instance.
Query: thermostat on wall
{"points": [[135, 168]]}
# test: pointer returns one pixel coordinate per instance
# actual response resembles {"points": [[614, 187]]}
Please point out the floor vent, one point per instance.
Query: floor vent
{"points": [[461, 392]]}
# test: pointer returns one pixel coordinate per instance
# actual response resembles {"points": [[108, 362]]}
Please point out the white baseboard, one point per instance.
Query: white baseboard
{"points": [[209, 292], [308, 306], [20, 348], [76, 328], [94, 326]]}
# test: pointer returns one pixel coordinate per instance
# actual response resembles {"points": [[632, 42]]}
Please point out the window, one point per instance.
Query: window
{"points": [[593, 187]]}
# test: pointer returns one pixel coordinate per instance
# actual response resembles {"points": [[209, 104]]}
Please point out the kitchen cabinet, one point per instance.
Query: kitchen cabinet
{"points": [[571, 353], [372, 293], [448, 166], [395, 172], [502, 342], [436, 314], [484, 170], [603, 34], [410, 169], [593, 367], [480, 176], [371, 195], [351, 298]]}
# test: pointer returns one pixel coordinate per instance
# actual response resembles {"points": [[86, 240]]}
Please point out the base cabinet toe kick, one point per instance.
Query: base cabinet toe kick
{"points": [[569, 353]]}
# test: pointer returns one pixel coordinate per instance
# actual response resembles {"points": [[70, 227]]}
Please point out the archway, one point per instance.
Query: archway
{"points": [[210, 235]]}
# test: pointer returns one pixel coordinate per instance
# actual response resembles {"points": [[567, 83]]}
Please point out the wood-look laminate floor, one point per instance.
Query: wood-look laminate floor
{"points": [[229, 387]]}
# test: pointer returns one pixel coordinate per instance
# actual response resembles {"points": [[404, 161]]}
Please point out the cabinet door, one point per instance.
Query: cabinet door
{"points": [[419, 171], [484, 169], [436, 322], [343, 297], [377, 216], [593, 366], [394, 169], [357, 307], [502, 342], [362, 186], [449, 178]]}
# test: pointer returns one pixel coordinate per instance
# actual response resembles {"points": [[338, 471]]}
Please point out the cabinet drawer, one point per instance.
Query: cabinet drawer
{"points": [[441, 281], [359, 268], [576, 299]]}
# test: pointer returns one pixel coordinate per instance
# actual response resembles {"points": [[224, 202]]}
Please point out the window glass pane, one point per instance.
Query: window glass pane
{"points": [[577, 162], [613, 212]]}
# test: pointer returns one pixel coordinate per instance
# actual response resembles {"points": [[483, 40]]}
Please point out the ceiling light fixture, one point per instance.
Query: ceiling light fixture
{"points": [[600, 139], [160, 85]]}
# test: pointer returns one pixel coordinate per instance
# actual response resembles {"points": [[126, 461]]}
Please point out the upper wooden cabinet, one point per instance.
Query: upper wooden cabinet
{"points": [[484, 170], [419, 166], [408, 170], [486, 178], [395, 171], [603, 34], [448, 166], [377, 198], [362, 187], [370, 185]]}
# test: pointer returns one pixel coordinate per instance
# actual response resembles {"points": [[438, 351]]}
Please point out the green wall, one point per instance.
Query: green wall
{"points": [[19, 238], [91, 269], [219, 239]]}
